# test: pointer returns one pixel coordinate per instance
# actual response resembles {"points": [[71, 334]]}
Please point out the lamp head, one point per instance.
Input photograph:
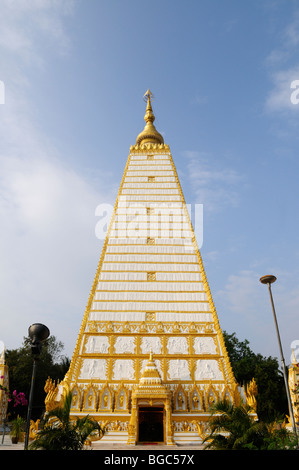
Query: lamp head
{"points": [[37, 333], [268, 279]]}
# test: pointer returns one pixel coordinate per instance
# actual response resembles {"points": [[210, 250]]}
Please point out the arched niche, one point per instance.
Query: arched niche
{"points": [[196, 399], [180, 399], [122, 399], [106, 399], [212, 396], [90, 398], [77, 393]]}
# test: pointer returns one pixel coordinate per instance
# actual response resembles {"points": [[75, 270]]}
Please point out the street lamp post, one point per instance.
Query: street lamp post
{"points": [[269, 279], [37, 333]]}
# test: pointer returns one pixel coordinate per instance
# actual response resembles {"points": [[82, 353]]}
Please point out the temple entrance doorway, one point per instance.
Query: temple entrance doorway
{"points": [[151, 424]]}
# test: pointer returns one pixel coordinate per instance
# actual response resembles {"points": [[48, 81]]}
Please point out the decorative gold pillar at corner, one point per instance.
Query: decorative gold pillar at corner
{"points": [[169, 427], [55, 393], [251, 393], [132, 424], [4, 382], [294, 386]]}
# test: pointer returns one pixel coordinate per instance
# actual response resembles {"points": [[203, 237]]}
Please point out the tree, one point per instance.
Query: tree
{"points": [[271, 399], [60, 432], [20, 363], [234, 428]]}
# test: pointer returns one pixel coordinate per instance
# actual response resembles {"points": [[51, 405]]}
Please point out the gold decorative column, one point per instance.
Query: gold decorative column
{"points": [[4, 382], [294, 386], [169, 427], [132, 424]]}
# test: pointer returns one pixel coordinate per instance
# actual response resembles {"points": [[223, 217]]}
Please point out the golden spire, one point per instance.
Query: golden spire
{"points": [[150, 374], [149, 133]]}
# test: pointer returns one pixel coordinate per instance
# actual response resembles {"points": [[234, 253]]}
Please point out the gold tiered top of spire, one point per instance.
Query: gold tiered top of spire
{"points": [[150, 375], [149, 135]]}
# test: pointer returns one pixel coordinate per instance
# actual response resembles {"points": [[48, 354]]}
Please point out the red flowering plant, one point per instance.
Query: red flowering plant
{"points": [[18, 398], [15, 397]]}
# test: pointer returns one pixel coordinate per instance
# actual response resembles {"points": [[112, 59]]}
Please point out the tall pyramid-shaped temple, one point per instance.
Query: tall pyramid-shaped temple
{"points": [[150, 358]]}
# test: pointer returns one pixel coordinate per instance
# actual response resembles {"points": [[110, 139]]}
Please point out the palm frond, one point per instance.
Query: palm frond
{"points": [[61, 432]]}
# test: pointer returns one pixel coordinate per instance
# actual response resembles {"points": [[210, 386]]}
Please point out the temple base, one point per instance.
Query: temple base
{"points": [[115, 438]]}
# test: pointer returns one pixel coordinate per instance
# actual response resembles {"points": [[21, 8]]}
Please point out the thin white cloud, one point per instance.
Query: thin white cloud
{"points": [[25, 24], [292, 32], [47, 209], [283, 95], [47, 241], [250, 311], [283, 68], [214, 187], [242, 294], [200, 99]]}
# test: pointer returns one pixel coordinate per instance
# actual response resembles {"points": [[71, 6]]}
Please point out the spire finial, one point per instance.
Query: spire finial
{"points": [[148, 96], [149, 133], [149, 115]]}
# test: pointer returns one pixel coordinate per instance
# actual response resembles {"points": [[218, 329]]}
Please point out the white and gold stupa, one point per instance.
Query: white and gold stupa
{"points": [[150, 358]]}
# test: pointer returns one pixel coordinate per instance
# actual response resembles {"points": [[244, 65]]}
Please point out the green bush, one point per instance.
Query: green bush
{"points": [[60, 432], [234, 428]]}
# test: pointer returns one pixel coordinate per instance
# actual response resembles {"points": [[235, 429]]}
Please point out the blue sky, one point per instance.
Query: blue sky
{"points": [[74, 73]]}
